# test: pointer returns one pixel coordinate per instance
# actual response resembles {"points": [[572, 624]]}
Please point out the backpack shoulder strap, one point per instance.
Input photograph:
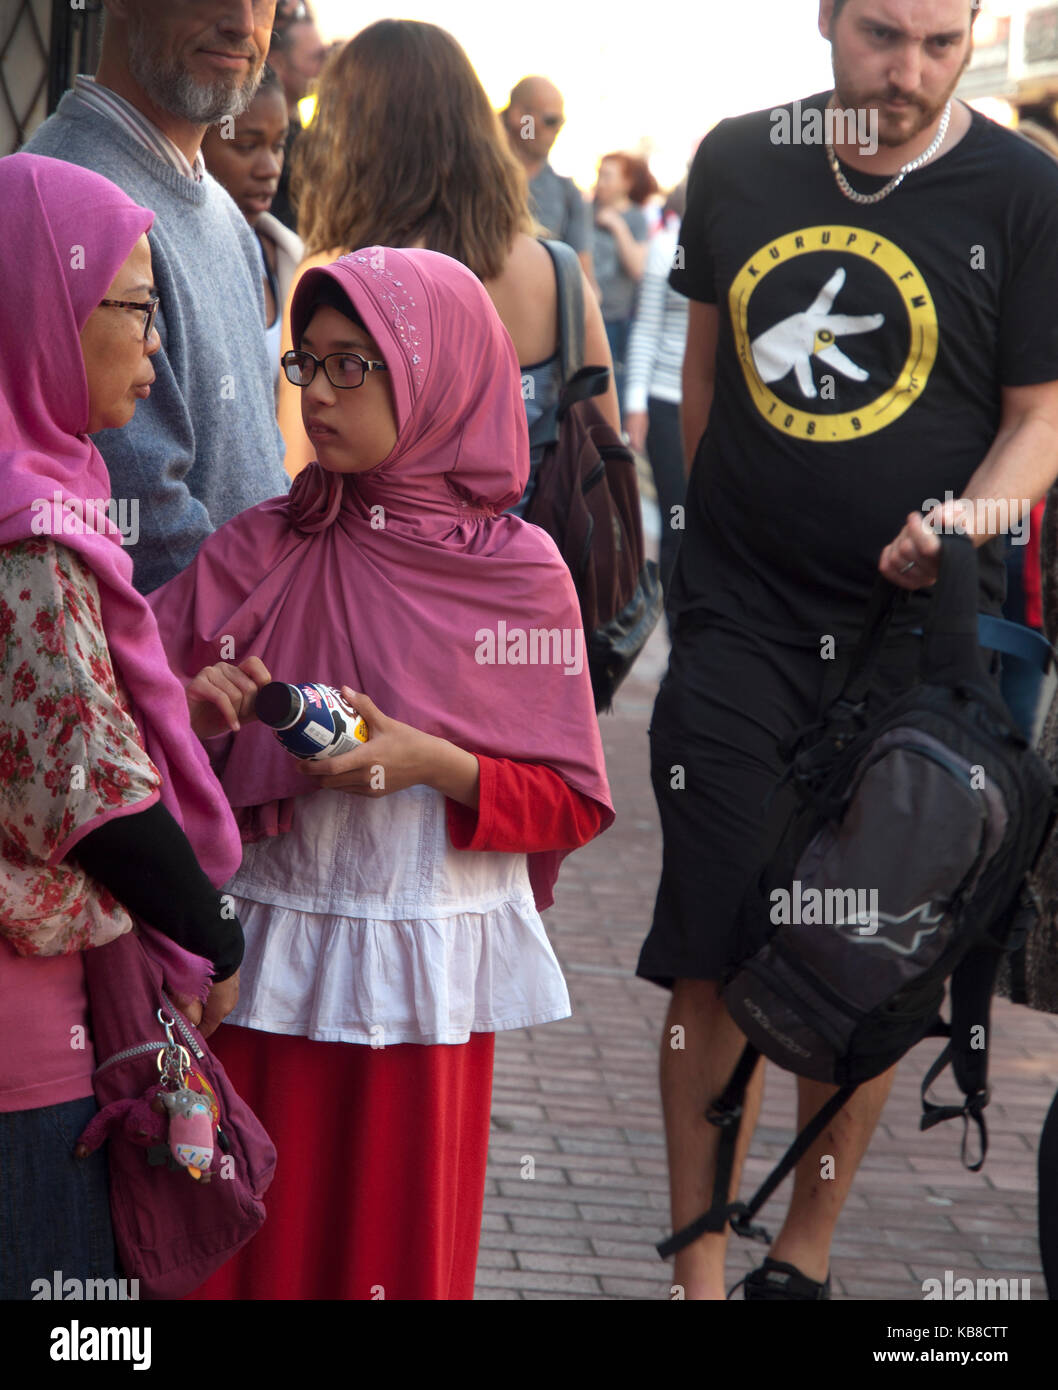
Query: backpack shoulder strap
{"points": [[971, 1109], [582, 386], [951, 652], [951, 634], [570, 305], [726, 1114], [1001, 635], [972, 986]]}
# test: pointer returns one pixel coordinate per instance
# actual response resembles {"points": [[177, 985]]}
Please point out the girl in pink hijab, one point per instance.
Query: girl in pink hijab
{"points": [[391, 897]]}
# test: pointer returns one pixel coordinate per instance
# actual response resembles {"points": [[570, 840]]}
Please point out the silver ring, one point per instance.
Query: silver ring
{"points": [[909, 566]]}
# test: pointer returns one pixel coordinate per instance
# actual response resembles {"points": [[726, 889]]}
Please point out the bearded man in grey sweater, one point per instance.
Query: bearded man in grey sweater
{"points": [[205, 445]]}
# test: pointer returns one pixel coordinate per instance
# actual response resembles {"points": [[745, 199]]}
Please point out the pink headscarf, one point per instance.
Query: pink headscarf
{"points": [[67, 232], [389, 580]]}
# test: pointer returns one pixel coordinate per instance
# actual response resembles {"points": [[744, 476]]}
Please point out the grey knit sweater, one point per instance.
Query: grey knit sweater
{"points": [[205, 445]]}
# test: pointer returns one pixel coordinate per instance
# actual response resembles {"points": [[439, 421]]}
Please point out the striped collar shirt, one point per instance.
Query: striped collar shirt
{"points": [[102, 99]]}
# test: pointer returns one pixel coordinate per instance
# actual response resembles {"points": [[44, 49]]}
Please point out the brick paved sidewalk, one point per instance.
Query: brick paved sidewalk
{"points": [[580, 1098]]}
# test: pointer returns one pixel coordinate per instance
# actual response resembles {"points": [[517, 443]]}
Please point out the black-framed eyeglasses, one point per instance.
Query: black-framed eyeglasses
{"points": [[346, 370], [149, 309]]}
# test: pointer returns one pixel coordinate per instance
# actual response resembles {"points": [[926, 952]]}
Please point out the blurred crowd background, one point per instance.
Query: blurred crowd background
{"points": [[603, 114]]}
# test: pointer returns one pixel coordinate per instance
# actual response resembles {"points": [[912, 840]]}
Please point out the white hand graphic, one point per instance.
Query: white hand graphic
{"points": [[797, 339]]}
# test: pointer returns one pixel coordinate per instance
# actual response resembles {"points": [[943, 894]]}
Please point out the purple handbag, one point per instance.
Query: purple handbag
{"points": [[171, 1231]]}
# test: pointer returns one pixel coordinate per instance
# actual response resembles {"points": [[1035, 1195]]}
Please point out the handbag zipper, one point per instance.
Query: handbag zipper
{"points": [[127, 1052], [138, 1049], [595, 476], [183, 1027]]}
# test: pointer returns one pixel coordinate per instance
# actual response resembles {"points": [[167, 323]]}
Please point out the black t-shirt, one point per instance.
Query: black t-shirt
{"points": [[860, 358]]}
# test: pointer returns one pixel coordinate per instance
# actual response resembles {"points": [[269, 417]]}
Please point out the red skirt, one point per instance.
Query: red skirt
{"points": [[380, 1179]]}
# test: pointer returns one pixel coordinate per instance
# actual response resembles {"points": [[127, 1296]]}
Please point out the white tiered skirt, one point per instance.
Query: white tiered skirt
{"points": [[364, 925]]}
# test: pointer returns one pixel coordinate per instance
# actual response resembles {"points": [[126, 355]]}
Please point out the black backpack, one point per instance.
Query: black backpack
{"points": [[905, 863], [583, 492]]}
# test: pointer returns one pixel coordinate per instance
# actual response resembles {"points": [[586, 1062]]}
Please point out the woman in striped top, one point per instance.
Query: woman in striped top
{"points": [[653, 380]]}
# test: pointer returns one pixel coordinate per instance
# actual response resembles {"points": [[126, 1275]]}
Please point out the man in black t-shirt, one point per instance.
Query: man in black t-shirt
{"points": [[870, 357]]}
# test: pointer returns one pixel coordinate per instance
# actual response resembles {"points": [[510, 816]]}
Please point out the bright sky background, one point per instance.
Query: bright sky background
{"points": [[635, 76]]}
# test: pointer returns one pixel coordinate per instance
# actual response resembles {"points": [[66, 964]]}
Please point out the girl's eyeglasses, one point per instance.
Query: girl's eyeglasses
{"points": [[148, 310], [346, 370]]}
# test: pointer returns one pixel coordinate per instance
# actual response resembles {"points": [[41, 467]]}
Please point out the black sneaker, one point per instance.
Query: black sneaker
{"points": [[775, 1280]]}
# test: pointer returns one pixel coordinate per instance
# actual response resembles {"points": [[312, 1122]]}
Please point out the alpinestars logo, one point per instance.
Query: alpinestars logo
{"points": [[924, 913], [836, 332]]}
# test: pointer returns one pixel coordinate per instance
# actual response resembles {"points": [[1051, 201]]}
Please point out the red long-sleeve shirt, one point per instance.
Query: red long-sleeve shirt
{"points": [[1031, 580], [523, 808]]}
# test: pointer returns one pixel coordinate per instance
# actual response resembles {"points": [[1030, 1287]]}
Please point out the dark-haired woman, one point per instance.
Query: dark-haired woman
{"points": [[249, 164], [405, 150], [619, 248]]}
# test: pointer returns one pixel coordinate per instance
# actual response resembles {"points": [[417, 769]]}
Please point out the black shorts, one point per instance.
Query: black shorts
{"points": [[727, 699]]}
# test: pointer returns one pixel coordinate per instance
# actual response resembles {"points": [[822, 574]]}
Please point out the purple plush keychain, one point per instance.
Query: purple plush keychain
{"points": [[190, 1130], [192, 1113], [177, 1120]]}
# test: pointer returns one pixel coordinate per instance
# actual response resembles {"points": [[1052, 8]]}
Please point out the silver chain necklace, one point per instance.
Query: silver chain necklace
{"points": [[897, 178]]}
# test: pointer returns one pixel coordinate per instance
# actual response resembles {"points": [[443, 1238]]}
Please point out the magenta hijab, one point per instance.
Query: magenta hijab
{"points": [[67, 232], [405, 581]]}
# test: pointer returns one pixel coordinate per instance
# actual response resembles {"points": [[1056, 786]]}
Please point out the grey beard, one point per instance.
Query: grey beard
{"points": [[174, 90]]}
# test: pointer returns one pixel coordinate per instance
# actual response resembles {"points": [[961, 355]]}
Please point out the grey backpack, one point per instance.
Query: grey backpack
{"points": [[905, 864]]}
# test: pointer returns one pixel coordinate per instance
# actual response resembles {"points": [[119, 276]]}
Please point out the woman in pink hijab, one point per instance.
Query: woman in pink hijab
{"points": [[108, 806], [391, 896]]}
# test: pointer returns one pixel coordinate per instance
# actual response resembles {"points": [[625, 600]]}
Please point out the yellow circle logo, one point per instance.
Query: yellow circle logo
{"points": [[817, 334]]}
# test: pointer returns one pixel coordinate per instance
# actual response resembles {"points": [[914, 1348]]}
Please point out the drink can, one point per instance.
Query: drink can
{"points": [[311, 720]]}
